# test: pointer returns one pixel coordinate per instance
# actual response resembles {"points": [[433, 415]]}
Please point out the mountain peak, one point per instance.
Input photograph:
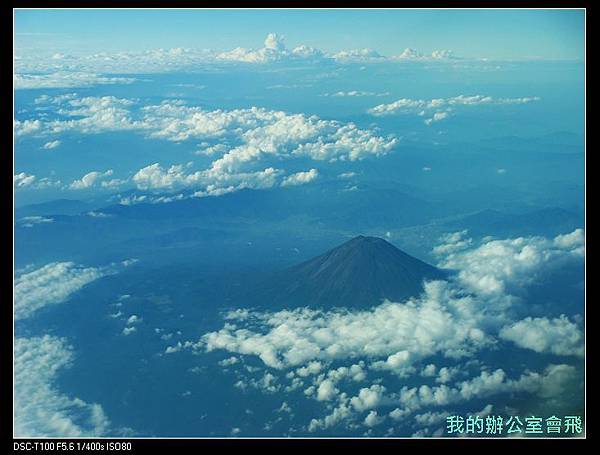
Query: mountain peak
{"points": [[359, 273], [367, 240], [362, 238]]}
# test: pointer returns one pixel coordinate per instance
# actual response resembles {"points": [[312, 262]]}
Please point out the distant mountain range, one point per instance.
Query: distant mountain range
{"points": [[378, 206], [549, 221], [357, 274], [54, 207]]}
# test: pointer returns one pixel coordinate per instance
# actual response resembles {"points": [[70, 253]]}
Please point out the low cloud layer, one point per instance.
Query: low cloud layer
{"points": [[400, 333], [242, 142]]}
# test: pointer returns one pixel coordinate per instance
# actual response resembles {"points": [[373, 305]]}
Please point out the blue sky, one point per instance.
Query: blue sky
{"points": [[501, 34]]}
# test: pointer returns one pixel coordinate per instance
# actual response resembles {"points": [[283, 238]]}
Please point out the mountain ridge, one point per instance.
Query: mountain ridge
{"points": [[359, 273]]}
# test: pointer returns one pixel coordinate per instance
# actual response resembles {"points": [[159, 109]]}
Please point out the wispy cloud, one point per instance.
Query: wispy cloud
{"points": [[66, 79], [51, 145], [41, 410], [441, 108], [54, 283]]}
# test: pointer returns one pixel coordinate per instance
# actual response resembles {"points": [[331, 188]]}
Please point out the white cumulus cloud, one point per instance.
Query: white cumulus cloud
{"points": [[300, 178], [258, 135], [558, 336], [496, 265], [90, 179]]}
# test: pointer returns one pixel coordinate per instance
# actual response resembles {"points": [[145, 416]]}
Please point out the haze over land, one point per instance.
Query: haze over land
{"points": [[290, 236]]}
